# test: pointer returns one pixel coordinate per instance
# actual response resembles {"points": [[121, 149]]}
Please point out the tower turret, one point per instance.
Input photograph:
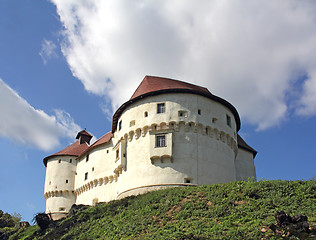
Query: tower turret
{"points": [[60, 176], [84, 137]]}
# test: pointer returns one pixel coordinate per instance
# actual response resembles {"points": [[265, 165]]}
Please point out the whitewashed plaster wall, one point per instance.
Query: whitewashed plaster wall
{"points": [[200, 149], [59, 183], [191, 153], [245, 167]]}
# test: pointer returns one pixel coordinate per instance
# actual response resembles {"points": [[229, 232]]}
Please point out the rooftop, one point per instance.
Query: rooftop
{"points": [[74, 149], [151, 86]]}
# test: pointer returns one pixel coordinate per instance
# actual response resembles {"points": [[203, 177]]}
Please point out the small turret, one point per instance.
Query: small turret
{"points": [[83, 137], [60, 176]]}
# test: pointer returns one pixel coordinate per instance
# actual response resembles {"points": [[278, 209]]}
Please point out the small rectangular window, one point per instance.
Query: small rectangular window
{"points": [[87, 158], [229, 121], [92, 169], [161, 141], [66, 180], [182, 114], [160, 108], [70, 160], [132, 123], [61, 209], [199, 111], [120, 125], [188, 180], [59, 161], [117, 154], [86, 176]]}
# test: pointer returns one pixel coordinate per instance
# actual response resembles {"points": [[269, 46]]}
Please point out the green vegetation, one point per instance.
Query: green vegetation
{"points": [[8, 223], [237, 210]]}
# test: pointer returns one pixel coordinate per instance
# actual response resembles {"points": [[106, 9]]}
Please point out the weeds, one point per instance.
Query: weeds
{"points": [[236, 210]]}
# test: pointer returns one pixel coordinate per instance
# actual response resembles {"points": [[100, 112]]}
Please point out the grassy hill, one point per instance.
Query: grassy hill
{"points": [[237, 210]]}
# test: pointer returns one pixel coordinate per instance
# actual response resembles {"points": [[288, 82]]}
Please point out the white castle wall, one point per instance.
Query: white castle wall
{"points": [[245, 167], [59, 184], [190, 154], [200, 149]]}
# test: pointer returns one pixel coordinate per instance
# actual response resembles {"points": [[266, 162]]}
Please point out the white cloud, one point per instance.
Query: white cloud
{"points": [[24, 124], [252, 53], [48, 50]]}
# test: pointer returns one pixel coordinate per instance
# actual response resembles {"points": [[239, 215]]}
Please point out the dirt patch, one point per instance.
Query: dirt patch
{"points": [[236, 203]]}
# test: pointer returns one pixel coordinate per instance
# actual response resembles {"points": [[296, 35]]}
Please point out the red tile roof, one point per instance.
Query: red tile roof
{"points": [[83, 132], [74, 149], [151, 86], [102, 140], [245, 146]]}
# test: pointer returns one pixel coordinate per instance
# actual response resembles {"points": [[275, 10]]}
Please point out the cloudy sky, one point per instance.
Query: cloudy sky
{"points": [[66, 65]]}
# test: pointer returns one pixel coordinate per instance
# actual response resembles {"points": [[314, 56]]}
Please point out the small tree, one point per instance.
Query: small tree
{"points": [[6, 220]]}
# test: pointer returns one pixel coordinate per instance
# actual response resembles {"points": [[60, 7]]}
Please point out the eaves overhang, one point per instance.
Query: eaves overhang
{"points": [[215, 98]]}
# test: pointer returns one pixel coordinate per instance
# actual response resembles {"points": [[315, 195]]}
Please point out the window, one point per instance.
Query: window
{"points": [[86, 176], [199, 111], [92, 169], [188, 180], [182, 114], [229, 121], [214, 120], [120, 125], [132, 123], [117, 154], [66, 180], [70, 160], [87, 158], [107, 151], [61, 209], [160, 140], [59, 161], [145, 114], [206, 131], [160, 108], [50, 183]]}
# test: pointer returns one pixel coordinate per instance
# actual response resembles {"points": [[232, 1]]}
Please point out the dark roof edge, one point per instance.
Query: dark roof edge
{"points": [[94, 145], [56, 155], [119, 111], [242, 144]]}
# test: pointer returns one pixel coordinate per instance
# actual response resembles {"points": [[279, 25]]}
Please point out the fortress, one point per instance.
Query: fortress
{"points": [[170, 133]]}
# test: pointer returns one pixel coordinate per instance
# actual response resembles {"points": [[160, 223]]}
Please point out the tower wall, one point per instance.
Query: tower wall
{"points": [[59, 185], [245, 167], [200, 148]]}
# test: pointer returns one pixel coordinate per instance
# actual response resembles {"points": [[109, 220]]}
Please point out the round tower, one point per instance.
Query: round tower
{"points": [[60, 176], [176, 133]]}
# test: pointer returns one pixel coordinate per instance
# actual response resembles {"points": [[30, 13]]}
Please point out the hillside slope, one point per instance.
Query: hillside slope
{"points": [[237, 210]]}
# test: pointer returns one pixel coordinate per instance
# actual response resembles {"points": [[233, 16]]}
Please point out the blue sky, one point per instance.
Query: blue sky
{"points": [[67, 65]]}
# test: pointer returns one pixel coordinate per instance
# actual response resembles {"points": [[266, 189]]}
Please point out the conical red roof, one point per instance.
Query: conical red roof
{"points": [[153, 84], [74, 149]]}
